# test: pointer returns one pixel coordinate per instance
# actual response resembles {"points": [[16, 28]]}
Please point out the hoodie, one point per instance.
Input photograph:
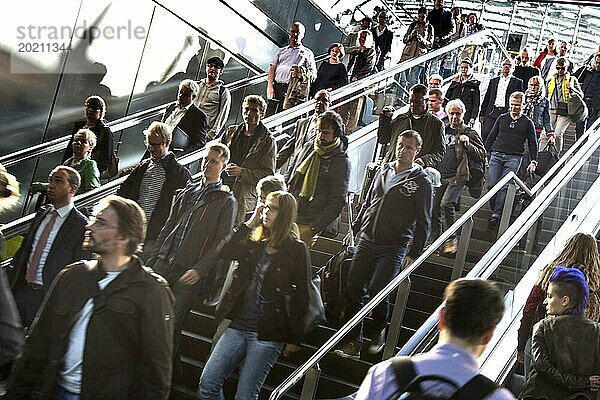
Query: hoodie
{"points": [[399, 214]]}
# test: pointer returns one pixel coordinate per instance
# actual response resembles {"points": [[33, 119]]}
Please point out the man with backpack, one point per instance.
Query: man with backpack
{"points": [[467, 321]]}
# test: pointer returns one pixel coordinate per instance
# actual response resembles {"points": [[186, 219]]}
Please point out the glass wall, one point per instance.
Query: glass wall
{"points": [[134, 60]]}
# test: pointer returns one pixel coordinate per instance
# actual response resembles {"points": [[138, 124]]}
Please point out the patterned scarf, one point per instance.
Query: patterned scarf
{"points": [[531, 100], [310, 167]]}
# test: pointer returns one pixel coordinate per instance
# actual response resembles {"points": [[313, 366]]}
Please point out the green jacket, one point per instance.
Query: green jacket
{"points": [[90, 176]]}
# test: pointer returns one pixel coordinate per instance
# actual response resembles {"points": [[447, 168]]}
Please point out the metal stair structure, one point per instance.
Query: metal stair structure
{"points": [[342, 376]]}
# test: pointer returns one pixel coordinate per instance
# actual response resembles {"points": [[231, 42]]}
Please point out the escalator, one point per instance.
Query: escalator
{"points": [[562, 203], [339, 376], [42, 95], [558, 212]]}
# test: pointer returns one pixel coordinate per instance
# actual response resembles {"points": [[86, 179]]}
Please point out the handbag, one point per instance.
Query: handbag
{"points": [[180, 140], [546, 160], [577, 108], [113, 167], [315, 313], [332, 230]]}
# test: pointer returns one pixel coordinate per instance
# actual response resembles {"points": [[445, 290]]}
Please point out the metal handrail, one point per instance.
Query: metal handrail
{"points": [[492, 258], [387, 290], [359, 88], [369, 84], [119, 124]]}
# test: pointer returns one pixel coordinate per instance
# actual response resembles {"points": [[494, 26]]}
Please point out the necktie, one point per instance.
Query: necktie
{"points": [[37, 253]]}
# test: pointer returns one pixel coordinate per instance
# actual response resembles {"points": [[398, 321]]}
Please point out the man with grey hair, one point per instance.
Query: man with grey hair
{"points": [[53, 241], [280, 71], [464, 151], [187, 122], [185, 251], [506, 144], [154, 181]]}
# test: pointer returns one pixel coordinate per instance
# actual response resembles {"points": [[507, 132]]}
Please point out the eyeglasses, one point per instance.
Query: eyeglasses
{"points": [[150, 144], [100, 223]]}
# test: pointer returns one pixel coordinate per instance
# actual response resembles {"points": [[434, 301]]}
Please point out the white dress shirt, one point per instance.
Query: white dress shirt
{"points": [[63, 213]]}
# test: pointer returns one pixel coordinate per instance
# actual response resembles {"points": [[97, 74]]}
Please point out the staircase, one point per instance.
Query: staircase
{"points": [[340, 376]]}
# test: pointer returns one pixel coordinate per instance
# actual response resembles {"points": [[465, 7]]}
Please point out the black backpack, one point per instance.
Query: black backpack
{"points": [[478, 388]]}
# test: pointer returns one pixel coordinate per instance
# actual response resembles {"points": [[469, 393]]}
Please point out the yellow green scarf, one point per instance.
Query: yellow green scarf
{"points": [[565, 89], [310, 167]]}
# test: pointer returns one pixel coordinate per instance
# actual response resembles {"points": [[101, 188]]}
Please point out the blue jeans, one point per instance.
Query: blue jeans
{"points": [[500, 165], [445, 206], [62, 394], [373, 267], [233, 349]]}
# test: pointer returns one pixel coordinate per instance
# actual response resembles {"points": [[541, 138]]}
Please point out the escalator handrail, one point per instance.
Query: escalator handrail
{"points": [[119, 124], [492, 259], [369, 83], [387, 290], [361, 86], [484, 268], [364, 85]]}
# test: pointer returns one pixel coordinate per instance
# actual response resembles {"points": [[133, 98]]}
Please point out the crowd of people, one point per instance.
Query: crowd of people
{"points": [[164, 240]]}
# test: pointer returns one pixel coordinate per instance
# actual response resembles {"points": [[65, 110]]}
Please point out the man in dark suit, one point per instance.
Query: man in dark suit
{"points": [[188, 122], [383, 38], [496, 97], [53, 241]]}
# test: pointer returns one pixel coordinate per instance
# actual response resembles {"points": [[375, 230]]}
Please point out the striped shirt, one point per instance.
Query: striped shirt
{"points": [[151, 186]]}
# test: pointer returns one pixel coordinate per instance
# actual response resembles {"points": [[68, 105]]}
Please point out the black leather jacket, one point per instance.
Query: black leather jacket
{"points": [[566, 352], [289, 272]]}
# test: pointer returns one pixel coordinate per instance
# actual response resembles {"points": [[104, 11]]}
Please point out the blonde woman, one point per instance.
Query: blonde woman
{"points": [[273, 265]]}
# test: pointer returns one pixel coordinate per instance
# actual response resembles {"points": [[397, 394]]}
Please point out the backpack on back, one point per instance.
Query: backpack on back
{"points": [[478, 388]]}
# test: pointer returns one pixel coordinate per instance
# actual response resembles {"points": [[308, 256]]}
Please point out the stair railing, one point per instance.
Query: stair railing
{"points": [[548, 187]]}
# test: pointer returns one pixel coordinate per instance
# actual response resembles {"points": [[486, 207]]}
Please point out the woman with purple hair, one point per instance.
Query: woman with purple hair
{"points": [[565, 345]]}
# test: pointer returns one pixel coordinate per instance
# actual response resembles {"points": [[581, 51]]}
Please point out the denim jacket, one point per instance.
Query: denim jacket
{"points": [[541, 117]]}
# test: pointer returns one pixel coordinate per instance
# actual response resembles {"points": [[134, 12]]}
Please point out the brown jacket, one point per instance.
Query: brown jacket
{"points": [[474, 151], [258, 163], [129, 339], [418, 40]]}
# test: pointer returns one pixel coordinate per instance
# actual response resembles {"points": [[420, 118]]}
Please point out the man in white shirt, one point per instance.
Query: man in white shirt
{"points": [[496, 97], [472, 310], [53, 241], [280, 71]]}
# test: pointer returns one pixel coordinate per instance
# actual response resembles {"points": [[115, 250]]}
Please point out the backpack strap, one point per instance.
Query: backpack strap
{"points": [[404, 371], [221, 90], [478, 388]]}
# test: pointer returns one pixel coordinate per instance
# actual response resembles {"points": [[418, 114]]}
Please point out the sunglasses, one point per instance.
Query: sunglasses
{"points": [[560, 68]]}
